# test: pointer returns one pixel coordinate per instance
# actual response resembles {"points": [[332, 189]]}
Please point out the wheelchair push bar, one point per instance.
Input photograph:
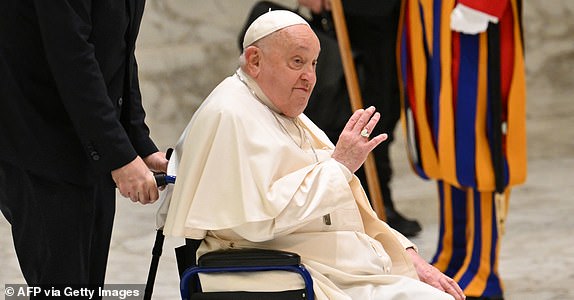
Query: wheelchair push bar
{"points": [[162, 179]]}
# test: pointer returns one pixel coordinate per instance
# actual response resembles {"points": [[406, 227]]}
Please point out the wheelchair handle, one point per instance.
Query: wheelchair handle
{"points": [[162, 179]]}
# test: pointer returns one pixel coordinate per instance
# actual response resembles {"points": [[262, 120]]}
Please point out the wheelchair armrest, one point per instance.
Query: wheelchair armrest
{"points": [[248, 258]]}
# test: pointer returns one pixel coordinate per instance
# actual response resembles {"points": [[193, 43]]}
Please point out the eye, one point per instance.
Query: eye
{"points": [[297, 62]]}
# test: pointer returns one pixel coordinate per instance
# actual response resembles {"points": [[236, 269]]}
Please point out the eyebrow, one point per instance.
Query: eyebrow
{"points": [[304, 47]]}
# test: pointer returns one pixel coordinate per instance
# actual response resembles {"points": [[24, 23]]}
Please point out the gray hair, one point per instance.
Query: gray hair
{"points": [[263, 43]]}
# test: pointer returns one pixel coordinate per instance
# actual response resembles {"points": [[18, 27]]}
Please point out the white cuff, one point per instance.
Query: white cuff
{"points": [[468, 20]]}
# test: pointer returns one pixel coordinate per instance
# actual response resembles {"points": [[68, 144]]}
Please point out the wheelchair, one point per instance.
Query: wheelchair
{"points": [[238, 260], [222, 261], [229, 261]]}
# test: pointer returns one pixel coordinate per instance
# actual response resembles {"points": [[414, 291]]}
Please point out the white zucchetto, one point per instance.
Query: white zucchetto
{"points": [[270, 22]]}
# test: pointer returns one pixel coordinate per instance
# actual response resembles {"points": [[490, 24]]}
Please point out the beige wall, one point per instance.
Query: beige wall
{"points": [[186, 47]]}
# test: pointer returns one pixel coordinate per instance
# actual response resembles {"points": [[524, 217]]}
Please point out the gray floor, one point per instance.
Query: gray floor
{"points": [[537, 252]]}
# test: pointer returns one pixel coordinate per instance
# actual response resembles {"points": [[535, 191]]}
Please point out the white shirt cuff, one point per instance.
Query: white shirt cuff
{"points": [[468, 20]]}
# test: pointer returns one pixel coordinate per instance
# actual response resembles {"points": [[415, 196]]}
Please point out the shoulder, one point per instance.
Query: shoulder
{"points": [[230, 108], [232, 100]]}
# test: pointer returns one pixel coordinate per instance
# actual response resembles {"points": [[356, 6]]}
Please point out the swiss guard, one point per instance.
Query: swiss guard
{"points": [[464, 114]]}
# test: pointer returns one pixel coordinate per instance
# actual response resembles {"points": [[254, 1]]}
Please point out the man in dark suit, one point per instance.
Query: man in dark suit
{"points": [[71, 120]]}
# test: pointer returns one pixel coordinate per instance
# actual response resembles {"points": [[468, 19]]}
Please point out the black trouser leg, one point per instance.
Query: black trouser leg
{"points": [[61, 231], [105, 209]]}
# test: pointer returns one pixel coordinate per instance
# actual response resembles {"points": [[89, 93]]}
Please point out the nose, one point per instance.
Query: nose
{"points": [[308, 75]]}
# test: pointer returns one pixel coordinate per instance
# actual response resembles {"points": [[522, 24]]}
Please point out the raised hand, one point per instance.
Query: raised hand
{"points": [[354, 144]]}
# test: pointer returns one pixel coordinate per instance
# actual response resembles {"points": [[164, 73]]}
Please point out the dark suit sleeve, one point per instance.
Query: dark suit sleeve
{"points": [[139, 131], [65, 27]]}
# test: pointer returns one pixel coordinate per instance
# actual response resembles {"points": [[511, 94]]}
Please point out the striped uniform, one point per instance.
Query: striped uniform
{"points": [[463, 110]]}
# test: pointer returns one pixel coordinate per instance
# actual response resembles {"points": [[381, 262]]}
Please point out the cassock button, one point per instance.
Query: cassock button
{"points": [[120, 101], [95, 155]]}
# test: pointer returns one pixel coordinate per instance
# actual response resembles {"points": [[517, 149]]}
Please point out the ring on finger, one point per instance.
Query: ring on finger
{"points": [[365, 132]]}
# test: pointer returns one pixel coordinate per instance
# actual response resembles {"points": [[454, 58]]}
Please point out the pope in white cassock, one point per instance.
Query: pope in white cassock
{"points": [[253, 171]]}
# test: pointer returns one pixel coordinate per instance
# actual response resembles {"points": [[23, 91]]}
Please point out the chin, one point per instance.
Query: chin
{"points": [[291, 115]]}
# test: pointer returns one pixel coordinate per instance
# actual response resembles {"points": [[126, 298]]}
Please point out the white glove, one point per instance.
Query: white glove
{"points": [[468, 20]]}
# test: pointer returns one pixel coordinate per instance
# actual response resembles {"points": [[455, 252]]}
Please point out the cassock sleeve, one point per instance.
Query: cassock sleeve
{"points": [[322, 190], [239, 171]]}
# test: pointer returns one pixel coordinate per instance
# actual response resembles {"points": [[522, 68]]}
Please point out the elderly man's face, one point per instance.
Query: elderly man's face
{"points": [[287, 74]]}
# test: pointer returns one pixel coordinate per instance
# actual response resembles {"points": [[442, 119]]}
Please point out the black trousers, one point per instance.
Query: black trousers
{"points": [[61, 231]]}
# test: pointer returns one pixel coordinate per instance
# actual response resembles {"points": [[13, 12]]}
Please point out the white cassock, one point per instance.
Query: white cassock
{"points": [[248, 176]]}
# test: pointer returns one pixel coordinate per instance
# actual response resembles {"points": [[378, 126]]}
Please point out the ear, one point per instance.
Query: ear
{"points": [[252, 61]]}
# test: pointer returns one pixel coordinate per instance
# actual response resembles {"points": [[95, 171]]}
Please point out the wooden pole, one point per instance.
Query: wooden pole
{"points": [[356, 102]]}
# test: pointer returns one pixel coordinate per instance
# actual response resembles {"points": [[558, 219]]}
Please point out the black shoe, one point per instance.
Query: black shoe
{"points": [[408, 228]]}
